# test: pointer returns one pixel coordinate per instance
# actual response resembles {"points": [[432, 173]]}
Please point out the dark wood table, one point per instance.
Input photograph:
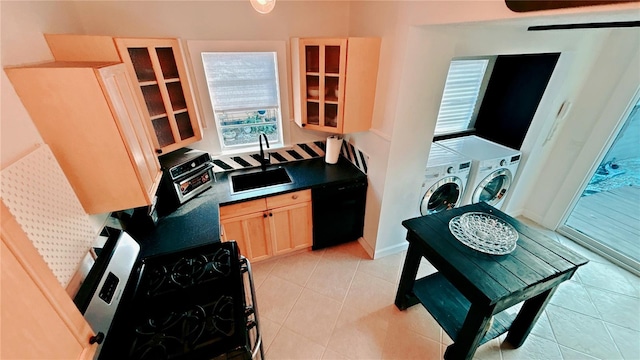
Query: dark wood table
{"points": [[471, 287]]}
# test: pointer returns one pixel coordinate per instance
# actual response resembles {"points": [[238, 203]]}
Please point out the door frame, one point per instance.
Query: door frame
{"points": [[620, 259]]}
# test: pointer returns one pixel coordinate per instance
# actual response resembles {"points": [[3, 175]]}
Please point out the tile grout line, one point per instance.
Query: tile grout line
{"points": [[289, 313], [280, 325], [604, 323], [314, 269], [569, 347], [266, 351], [325, 347], [606, 328], [610, 291], [555, 337], [342, 303]]}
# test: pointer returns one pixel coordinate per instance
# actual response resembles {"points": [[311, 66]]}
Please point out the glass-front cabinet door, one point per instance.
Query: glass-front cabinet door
{"points": [[322, 66], [334, 83], [158, 66]]}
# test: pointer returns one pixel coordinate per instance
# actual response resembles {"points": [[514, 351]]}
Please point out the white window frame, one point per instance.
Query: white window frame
{"points": [[478, 98], [212, 140]]}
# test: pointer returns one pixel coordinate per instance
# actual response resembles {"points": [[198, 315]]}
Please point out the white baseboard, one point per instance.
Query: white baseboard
{"points": [[390, 250], [532, 216], [365, 245], [516, 213]]}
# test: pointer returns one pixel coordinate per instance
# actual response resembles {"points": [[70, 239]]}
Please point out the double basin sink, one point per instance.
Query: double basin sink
{"points": [[259, 179]]}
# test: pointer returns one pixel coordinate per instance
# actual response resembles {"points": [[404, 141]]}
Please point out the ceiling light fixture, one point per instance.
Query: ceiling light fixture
{"points": [[263, 6]]}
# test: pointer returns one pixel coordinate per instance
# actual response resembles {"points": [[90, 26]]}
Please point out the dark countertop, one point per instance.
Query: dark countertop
{"points": [[197, 222]]}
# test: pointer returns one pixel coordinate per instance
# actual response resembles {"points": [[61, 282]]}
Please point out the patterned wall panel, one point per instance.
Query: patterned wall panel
{"points": [[296, 152], [356, 156], [41, 199]]}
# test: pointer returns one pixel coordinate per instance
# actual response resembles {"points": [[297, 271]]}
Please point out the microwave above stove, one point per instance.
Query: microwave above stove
{"points": [[185, 174]]}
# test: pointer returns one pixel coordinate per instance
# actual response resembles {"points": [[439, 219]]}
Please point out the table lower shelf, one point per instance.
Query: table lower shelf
{"points": [[449, 307]]}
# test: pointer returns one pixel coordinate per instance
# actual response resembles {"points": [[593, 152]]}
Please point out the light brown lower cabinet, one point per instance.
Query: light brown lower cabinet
{"points": [[267, 227], [38, 319]]}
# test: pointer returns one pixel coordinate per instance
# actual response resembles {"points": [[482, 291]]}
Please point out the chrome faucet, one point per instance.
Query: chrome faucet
{"points": [[264, 161]]}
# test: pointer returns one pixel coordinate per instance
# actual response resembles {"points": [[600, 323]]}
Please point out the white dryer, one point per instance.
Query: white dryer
{"points": [[493, 168], [446, 177]]}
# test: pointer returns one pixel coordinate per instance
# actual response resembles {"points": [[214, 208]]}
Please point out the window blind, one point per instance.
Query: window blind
{"points": [[460, 95], [241, 81]]}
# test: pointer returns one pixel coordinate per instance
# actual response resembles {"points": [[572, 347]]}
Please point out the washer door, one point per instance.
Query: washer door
{"points": [[492, 188], [443, 195]]}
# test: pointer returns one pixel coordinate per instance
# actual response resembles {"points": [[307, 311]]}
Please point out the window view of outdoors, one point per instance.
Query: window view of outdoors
{"points": [[608, 211], [244, 127], [244, 94]]}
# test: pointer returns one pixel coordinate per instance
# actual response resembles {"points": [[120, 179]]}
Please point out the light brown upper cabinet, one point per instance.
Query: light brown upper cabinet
{"points": [[160, 71], [157, 68], [89, 115], [39, 319], [334, 83]]}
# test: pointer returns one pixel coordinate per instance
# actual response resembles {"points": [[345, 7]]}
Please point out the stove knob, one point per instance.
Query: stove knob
{"points": [[503, 162], [450, 170], [193, 164]]}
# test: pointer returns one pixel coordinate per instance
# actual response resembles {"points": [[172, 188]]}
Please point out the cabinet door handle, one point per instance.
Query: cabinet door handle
{"points": [[98, 338], [264, 215], [294, 196], [270, 214]]}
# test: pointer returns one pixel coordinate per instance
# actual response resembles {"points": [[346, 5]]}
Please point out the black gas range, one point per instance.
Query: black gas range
{"points": [[195, 304]]}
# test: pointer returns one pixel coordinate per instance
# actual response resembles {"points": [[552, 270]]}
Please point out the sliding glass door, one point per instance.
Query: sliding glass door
{"points": [[606, 217]]}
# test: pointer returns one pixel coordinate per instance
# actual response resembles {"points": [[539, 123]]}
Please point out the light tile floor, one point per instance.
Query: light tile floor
{"points": [[337, 303]]}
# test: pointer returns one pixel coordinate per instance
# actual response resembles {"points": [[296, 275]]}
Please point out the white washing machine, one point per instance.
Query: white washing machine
{"points": [[493, 168], [446, 177]]}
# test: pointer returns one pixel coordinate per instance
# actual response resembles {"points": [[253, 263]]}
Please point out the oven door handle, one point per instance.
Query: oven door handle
{"points": [[246, 267], [195, 172], [187, 193]]}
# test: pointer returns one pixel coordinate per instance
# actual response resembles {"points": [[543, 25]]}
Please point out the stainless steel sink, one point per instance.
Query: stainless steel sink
{"points": [[259, 179]]}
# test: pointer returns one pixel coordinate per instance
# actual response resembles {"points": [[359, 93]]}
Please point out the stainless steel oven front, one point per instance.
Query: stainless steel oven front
{"points": [[186, 173], [194, 183]]}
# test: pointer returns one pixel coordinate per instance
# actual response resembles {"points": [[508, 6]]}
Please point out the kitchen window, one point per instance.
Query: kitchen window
{"points": [[244, 93], [466, 81]]}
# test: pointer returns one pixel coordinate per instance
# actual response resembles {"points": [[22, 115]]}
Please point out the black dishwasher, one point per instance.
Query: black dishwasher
{"points": [[338, 212]]}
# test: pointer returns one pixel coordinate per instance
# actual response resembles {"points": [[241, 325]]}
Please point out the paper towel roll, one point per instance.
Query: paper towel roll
{"points": [[334, 144]]}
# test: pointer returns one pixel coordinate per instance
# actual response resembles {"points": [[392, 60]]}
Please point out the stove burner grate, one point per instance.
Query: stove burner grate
{"points": [[189, 305], [187, 271], [175, 333]]}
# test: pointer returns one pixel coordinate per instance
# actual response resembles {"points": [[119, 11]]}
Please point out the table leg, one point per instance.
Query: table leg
{"points": [[405, 297], [472, 332], [527, 317]]}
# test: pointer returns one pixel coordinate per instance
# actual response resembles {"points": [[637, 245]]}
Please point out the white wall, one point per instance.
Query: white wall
{"points": [[227, 21], [419, 39], [22, 43], [414, 63], [23, 24], [589, 128]]}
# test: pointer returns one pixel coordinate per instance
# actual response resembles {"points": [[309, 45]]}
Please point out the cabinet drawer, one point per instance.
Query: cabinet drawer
{"points": [[288, 199], [243, 208]]}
